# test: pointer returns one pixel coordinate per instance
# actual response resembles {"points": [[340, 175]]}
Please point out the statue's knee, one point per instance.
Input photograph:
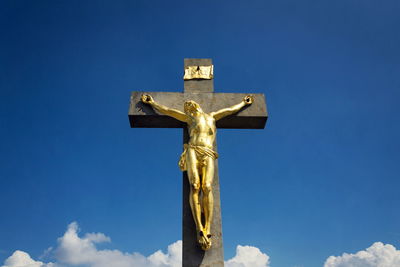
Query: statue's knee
{"points": [[207, 188], [195, 186]]}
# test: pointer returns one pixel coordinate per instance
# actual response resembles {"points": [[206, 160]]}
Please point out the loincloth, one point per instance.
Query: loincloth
{"points": [[201, 151]]}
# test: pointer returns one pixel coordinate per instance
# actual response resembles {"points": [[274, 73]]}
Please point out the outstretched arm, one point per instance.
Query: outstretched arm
{"points": [[247, 100], [179, 115]]}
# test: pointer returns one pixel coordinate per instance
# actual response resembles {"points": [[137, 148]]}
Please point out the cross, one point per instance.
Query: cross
{"points": [[199, 87]]}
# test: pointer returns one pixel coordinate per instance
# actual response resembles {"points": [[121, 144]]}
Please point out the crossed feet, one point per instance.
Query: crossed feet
{"points": [[204, 239]]}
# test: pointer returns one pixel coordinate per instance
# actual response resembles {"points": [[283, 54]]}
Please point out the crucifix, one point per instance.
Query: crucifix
{"points": [[199, 112]]}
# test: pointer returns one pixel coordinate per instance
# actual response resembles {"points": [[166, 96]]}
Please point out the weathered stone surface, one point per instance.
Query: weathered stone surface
{"points": [[251, 117], [197, 62]]}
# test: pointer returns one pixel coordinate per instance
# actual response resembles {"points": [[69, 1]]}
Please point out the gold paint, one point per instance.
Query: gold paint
{"points": [[198, 157], [199, 72]]}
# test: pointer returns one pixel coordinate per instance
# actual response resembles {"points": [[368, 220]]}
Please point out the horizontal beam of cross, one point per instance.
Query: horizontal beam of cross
{"points": [[144, 116]]}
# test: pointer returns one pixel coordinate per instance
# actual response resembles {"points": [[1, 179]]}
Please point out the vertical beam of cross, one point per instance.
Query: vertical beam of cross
{"points": [[192, 255]]}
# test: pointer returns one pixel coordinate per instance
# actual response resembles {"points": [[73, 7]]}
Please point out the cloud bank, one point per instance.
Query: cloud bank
{"points": [[72, 250], [377, 255], [75, 251]]}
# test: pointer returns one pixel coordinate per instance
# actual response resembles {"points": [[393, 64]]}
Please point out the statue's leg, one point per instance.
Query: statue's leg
{"points": [[208, 198], [194, 181]]}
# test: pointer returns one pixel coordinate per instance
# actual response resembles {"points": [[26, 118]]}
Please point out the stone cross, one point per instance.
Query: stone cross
{"points": [[201, 91]]}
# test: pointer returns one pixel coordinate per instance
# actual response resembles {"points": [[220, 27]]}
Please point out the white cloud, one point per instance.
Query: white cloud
{"points": [[73, 250], [247, 256], [377, 255], [22, 259]]}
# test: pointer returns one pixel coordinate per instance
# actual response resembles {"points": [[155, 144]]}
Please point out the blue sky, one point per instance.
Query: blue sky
{"points": [[322, 178]]}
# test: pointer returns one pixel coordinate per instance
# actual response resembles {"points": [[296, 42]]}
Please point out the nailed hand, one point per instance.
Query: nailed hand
{"points": [[148, 99], [248, 99]]}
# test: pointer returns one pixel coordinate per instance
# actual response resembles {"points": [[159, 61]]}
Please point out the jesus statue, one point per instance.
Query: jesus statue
{"points": [[198, 157]]}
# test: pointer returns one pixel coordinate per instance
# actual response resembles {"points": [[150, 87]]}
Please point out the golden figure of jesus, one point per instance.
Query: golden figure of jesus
{"points": [[198, 157]]}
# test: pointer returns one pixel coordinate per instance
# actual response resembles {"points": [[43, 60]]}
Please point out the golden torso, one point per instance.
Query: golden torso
{"points": [[202, 130]]}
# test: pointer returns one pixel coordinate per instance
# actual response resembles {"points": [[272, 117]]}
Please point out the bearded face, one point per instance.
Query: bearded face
{"points": [[190, 107]]}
